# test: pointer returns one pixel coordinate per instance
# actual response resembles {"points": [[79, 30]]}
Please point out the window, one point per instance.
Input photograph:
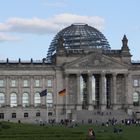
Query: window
{"points": [[135, 99], [136, 82], [37, 83], [13, 115], [25, 115], [13, 83], [25, 83], [13, 100], [1, 115], [49, 83], [2, 99], [1, 83], [38, 114], [49, 100], [25, 99], [37, 101], [50, 113]]}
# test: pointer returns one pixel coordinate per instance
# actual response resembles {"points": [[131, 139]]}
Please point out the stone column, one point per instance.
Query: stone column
{"points": [[7, 95], [128, 93], [31, 96], [90, 103], [103, 92], [114, 96], [20, 94], [79, 103], [43, 99]]}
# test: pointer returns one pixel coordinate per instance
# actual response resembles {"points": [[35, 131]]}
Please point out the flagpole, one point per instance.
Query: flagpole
{"points": [[43, 93], [66, 105], [47, 113]]}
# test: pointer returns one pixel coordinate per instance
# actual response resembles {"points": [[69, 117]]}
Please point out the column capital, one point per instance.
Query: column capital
{"points": [[103, 74], [90, 74], [66, 75], [78, 74], [114, 74], [127, 75]]}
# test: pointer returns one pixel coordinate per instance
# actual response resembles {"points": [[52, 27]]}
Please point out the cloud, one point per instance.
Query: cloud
{"points": [[50, 25], [5, 38]]}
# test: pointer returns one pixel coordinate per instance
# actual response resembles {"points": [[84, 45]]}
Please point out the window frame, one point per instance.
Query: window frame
{"points": [[13, 83], [49, 100], [37, 83], [37, 99], [26, 115], [25, 83], [135, 82], [49, 83], [38, 114], [135, 96], [2, 103], [25, 104], [13, 93], [1, 83], [14, 115], [1, 115]]}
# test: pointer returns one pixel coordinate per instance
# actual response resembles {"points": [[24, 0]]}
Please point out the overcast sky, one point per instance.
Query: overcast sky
{"points": [[27, 27]]}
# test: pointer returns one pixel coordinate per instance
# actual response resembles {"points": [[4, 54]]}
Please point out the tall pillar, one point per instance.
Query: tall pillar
{"points": [[113, 94], [31, 103], [43, 99], [128, 94], [90, 103], [79, 103], [103, 92], [19, 92], [7, 92]]}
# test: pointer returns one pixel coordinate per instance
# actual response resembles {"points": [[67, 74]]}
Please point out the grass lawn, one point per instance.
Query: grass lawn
{"points": [[14, 131]]}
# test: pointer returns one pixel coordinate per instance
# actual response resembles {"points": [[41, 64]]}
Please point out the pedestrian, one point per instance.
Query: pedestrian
{"points": [[91, 134]]}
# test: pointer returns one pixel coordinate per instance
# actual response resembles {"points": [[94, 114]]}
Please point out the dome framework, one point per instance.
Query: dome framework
{"points": [[78, 36]]}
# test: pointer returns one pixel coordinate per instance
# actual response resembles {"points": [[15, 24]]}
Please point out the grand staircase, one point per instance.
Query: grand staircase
{"points": [[99, 116]]}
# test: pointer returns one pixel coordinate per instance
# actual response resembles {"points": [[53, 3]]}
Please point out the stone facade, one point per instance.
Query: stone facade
{"points": [[96, 82]]}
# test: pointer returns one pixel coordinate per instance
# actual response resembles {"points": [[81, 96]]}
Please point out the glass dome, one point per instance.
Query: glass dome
{"points": [[78, 36]]}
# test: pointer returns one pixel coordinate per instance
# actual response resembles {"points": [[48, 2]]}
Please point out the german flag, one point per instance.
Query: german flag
{"points": [[62, 92]]}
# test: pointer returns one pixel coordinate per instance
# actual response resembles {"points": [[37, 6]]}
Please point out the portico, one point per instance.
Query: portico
{"points": [[97, 91]]}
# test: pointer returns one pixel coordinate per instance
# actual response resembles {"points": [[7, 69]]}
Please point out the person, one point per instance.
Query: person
{"points": [[91, 134]]}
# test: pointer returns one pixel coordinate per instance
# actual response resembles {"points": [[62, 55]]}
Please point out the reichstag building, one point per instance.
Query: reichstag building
{"points": [[99, 82]]}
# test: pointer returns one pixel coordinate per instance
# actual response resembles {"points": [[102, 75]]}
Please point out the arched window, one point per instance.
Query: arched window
{"points": [[13, 100], [37, 101], [2, 99], [49, 100], [25, 99], [135, 99]]}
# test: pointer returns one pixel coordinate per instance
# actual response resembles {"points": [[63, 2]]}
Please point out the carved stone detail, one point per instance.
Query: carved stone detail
{"points": [[96, 61]]}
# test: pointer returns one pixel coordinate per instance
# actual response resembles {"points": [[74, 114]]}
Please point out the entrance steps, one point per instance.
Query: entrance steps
{"points": [[100, 116]]}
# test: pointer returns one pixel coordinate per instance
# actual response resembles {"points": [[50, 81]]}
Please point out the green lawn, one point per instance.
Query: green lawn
{"points": [[14, 131]]}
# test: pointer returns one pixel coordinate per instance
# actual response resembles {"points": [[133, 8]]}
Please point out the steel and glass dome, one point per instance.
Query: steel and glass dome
{"points": [[78, 36]]}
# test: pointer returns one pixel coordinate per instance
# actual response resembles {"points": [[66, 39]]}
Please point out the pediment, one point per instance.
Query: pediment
{"points": [[96, 61]]}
